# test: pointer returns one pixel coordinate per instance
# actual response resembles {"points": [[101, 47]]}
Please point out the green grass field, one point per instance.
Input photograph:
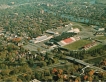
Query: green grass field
{"points": [[76, 45], [101, 1], [98, 46], [96, 60], [101, 37]]}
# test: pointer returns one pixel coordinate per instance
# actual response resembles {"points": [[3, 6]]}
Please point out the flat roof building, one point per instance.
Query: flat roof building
{"points": [[41, 38], [51, 32]]}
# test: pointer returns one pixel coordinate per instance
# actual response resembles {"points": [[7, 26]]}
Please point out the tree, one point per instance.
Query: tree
{"points": [[38, 57], [16, 40], [47, 72], [19, 80], [78, 79], [44, 63], [55, 60], [5, 72], [85, 77], [25, 69], [60, 71], [22, 60], [91, 73], [38, 75], [16, 70], [96, 78], [30, 62], [65, 77], [54, 70], [12, 79], [90, 79], [28, 77], [48, 78]]}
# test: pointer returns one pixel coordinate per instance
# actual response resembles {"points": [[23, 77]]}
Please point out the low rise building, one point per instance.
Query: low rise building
{"points": [[75, 30], [99, 28], [41, 38], [51, 32], [100, 33]]}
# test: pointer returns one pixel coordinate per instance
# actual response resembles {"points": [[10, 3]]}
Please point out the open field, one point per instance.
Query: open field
{"points": [[101, 1], [96, 60], [96, 47], [100, 37], [76, 45]]}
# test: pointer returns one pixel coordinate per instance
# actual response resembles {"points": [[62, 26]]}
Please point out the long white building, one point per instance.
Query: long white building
{"points": [[41, 38]]}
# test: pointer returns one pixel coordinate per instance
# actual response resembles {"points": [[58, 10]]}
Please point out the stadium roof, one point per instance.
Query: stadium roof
{"points": [[68, 40]]}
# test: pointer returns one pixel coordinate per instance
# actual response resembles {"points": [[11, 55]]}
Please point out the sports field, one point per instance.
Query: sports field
{"points": [[76, 45], [101, 37]]}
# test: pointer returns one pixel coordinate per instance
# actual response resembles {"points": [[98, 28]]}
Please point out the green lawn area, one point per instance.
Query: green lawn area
{"points": [[101, 37], [98, 46], [102, 1], [96, 60], [76, 45]]}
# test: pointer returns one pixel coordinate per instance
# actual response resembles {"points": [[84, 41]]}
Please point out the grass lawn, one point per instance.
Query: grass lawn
{"points": [[76, 45], [98, 46], [101, 37], [96, 60], [101, 1]]}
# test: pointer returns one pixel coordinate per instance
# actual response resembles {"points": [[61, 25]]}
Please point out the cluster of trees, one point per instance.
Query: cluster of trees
{"points": [[59, 74], [66, 74], [103, 64], [16, 63], [15, 2], [27, 66], [91, 75], [82, 12], [29, 20]]}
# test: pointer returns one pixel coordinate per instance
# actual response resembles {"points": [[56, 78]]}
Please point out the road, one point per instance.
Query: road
{"points": [[84, 63]]}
